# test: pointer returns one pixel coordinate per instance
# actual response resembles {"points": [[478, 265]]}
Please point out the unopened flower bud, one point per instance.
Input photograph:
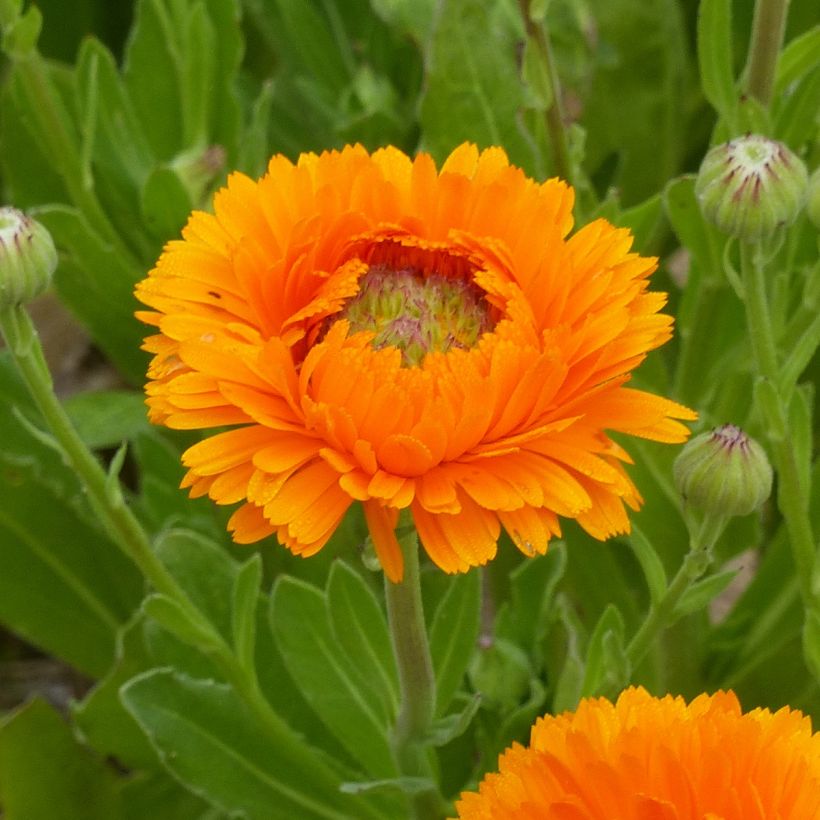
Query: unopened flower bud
{"points": [[723, 472], [28, 258], [751, 186], [814, 199]]}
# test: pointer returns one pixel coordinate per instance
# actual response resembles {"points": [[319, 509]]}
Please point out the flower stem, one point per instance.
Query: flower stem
{"points": [[554, 115], [662, 613], [24, 344], [768, 28], [417, 682], [792, 496]]}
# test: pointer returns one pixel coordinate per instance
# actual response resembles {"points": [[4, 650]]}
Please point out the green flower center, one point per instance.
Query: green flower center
{"points": [[417, 312]]}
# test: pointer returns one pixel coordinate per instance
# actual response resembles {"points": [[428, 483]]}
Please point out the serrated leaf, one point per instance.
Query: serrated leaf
{"points": [[323, 671], [715, 56], [453, 635], [360, 627], [211, 741], [46, 775], [698, 596]]}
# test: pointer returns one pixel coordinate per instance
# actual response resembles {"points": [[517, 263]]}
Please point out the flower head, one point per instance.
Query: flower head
{"points": [[376, 331], [647, 757]]}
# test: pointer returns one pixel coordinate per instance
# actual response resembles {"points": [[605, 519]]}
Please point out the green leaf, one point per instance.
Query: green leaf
{"points": [[797, 59], [811, 643], [526, 618], [254, 149], [64, 585], [152, 75], [20, 38], [454, 725], [46, 775], [324, 671], [205, 571], [472, 89], [164, 203], [244, 610], [607, 668], [121, 146], [158, 796], [171, 615], [715, 56], [209, 739], [322, 55], [97, 284], [360, 627], [453, 635], [100, 715], [698, 596], [795, 115], [106, 418], [415, 17], [567, 689], [650, 562], [634, 42]]}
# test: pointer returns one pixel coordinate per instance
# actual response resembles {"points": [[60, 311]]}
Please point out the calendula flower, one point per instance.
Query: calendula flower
{"points": [[376, 331], [647, 758]]}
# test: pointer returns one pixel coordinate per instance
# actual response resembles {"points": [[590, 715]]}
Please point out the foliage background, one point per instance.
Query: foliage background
{"points": [[122, 120]]}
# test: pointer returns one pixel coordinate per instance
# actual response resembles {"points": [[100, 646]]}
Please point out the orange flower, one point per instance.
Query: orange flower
{"points": [[651, 758], [378, 331]]}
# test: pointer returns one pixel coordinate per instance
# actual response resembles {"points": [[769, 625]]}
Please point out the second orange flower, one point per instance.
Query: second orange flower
{"points": [[374, 330]]}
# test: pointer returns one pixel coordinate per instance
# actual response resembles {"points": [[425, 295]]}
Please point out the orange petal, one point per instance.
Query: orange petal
{"points": [[381, 522]]}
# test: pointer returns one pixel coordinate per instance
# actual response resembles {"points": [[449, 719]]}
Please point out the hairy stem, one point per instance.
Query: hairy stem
{"points": [[767, 38], [417, 682]]}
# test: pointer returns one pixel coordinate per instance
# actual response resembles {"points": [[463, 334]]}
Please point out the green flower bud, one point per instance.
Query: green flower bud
{"points": [[28, 258], [814, 199], [751, 186], [723, 472]]}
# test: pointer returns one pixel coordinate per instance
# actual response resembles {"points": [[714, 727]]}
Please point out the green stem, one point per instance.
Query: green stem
{"points": [[417, 682], [768, 28], [24, 344], [792, 497], [661, 614], [554, 115]]}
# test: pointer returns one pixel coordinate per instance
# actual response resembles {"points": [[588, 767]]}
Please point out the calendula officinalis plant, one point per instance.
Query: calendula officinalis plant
{"points": [[441, 439]]}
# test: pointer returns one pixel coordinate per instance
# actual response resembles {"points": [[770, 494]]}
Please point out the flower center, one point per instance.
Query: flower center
{"points": [[418, 312]]}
